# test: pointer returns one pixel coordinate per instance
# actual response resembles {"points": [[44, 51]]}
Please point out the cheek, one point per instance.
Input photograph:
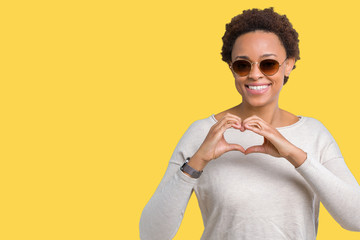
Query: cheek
{"points": [[278, 78], [239, 86], [278, 83]]}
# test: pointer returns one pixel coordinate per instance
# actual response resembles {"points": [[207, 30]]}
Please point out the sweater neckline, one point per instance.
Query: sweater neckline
{"points": [[300, 121]]}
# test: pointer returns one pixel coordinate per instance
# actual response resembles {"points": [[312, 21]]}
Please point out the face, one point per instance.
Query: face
{"points": [[256, 88]]}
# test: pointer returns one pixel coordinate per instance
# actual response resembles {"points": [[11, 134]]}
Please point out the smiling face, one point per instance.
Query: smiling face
{"points": [[256, 88]]}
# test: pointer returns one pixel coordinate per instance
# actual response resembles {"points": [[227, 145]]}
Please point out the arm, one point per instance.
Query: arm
{"points": [[162, 215], [336, 188], [330, 178], [164, 212]]}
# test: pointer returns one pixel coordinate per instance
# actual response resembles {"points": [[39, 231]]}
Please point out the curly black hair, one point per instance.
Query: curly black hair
{"points": [[266, 20]]}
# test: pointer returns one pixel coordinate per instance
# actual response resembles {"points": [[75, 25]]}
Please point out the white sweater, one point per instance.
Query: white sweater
{"points": [[256, 196]]}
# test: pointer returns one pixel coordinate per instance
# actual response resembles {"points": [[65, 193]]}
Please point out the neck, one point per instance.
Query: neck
{"points": [[270, 113]]}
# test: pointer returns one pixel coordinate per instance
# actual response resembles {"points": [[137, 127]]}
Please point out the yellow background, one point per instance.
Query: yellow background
{"points": [[95, 96]]}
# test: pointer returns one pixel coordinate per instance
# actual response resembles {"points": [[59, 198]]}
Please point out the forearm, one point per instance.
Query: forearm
{"points": [[296, 157], [341, 199], [197, 163], [163, 213]]}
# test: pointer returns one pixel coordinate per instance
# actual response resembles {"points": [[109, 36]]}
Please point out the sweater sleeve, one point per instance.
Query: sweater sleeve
{"points": [[162, 215], [336, 188]]}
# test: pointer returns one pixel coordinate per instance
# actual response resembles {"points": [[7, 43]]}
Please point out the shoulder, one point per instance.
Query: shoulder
{"points": [[316, 129], [200, 126], [313, 123], [191, 140], [311, 135], [197, 131], [307, 129], [320, 138]]}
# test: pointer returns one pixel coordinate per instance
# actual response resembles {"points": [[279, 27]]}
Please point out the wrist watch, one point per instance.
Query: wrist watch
{"points": [[189, 170]]}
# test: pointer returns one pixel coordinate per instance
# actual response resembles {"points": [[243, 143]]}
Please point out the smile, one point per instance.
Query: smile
{"points": [[261, 87]]}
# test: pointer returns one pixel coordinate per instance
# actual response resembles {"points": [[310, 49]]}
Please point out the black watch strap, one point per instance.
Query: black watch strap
{"points": [[189, 170]]}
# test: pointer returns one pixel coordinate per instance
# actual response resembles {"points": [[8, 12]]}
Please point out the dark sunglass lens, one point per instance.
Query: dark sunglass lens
{"points": [[269, 66], [241, 67]]}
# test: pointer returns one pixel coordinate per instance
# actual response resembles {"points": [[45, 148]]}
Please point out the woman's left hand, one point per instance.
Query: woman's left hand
{"points": [[274, 144]]}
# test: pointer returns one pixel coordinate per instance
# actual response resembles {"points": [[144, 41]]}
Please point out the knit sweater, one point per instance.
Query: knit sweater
{"points": [[256, 196]]}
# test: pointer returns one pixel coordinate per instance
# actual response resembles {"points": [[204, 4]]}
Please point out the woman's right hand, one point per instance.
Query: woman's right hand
{"points": [[215, 144]]}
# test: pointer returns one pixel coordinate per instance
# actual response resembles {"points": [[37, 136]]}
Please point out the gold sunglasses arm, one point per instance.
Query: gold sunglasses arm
{"points": [[283, 62]]}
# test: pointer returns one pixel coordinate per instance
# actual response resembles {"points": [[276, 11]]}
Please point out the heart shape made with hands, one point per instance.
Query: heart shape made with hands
{"points": [[260, 127], [275, 144]]}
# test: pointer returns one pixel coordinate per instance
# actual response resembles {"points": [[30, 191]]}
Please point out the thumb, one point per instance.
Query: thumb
{"points": [[236, 147], [255, 149]]}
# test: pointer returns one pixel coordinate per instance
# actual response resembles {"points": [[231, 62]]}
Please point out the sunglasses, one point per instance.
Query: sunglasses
{"points": [[268, 67]]}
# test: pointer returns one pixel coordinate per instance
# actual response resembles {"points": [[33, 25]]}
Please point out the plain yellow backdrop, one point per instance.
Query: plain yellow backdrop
{"points": [[95, 95]]}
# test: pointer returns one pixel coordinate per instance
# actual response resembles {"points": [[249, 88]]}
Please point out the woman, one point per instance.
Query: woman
{"points": [[258, 171]]}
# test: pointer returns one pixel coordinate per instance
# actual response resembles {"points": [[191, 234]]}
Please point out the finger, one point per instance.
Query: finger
{"points": [[242, 128], [258, 123], [228, 122], [223, 126], [255, 149], [219, 130], [236, 147], [231, 116], [260, 128], [254, 118], [254, 126], [236, 125]]}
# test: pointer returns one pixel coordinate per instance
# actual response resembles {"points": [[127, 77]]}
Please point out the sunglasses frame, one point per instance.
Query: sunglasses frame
{"points": [[251, 66]]}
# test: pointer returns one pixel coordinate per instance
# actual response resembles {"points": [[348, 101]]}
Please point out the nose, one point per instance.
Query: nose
{"points": [[255, 72]]}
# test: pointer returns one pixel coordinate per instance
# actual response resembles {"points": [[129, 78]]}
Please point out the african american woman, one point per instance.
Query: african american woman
{"points": [[258, 171]]}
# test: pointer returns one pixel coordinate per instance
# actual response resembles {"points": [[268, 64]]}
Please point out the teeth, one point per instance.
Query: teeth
{"points": [[258, 87]]}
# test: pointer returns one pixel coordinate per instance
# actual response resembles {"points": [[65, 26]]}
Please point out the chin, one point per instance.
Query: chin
{"points": [[256, 105], [257, 102]]}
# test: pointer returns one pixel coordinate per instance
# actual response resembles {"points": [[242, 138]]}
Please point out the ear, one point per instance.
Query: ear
{"points": [[290, 62]]}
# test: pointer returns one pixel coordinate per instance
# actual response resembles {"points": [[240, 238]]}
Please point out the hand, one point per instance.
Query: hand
{"points": [[215, 144], [274, 144]]}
